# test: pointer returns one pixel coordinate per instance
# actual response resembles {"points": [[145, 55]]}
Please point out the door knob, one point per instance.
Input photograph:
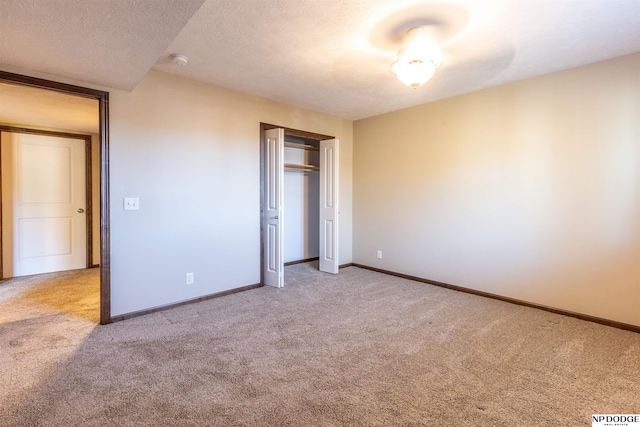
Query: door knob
{"points": [[80, 210], [274, 217]]}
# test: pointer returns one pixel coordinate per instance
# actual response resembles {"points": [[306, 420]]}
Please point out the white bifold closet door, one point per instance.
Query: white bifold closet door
{"points": [[329, 206], [273, 200], [273, 235]]}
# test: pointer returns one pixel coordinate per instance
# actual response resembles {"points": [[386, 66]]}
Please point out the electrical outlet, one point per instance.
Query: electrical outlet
{"points": [[190, 279], [379, 256]]}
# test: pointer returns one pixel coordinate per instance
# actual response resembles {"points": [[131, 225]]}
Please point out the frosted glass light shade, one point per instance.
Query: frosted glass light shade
{"points": [[413, 72], [417, 62]]}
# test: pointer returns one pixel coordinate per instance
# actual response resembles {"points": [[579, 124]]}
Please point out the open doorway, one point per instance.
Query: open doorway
{"points": [[100, 143], [47, 198]]}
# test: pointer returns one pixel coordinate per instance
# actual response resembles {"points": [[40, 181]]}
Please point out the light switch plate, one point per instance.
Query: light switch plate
{"points": [[131, 203]]}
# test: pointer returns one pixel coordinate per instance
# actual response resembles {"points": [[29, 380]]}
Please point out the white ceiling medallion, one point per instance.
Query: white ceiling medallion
{"points": [[418, 59], [179, 59]]}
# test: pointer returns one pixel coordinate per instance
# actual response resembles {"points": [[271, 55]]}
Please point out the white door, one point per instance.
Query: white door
{"points": [[273, 200], [329, 206], [43, 203]]}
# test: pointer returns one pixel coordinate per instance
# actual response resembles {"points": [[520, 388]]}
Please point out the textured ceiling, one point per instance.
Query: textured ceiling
{"points": [[112, 43], [335, 56], [332, 56]]}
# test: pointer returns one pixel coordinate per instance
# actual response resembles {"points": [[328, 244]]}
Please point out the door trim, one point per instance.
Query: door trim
{"points": [[103, 110], [88, 185], [287, 132]]}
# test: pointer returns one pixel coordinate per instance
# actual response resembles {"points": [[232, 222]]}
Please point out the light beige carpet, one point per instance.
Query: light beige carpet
{"points": [[357, 349], [75, 293]]}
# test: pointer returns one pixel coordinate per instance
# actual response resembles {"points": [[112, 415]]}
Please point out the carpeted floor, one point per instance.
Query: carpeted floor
{"points": [[75, 293], [356, 349]]}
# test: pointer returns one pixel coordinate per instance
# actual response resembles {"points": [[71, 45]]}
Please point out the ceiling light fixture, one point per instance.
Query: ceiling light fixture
{"points": [[179, 59], [418, 60]]}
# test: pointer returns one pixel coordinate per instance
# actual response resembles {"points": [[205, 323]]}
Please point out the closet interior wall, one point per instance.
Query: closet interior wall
{"points": [[301, 199]]}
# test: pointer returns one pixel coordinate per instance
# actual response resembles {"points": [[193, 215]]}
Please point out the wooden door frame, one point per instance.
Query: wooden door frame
{"points": [[287, 132], [103, 110], [88, 174]]}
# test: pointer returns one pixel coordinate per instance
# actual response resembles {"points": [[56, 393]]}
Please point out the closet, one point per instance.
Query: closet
{"points": [[301, 199], [299, 203]]}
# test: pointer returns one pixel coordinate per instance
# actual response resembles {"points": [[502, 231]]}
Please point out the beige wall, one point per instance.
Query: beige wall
{"points": [[191, 153], [529, 190]]}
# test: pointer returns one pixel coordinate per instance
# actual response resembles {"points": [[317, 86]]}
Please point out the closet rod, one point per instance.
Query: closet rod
{"points": [[301, 146], [306, 168], [300, 170]]}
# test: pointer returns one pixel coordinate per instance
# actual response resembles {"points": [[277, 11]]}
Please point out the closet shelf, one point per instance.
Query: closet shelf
{"points": [[301, 146], [302, 168]]}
